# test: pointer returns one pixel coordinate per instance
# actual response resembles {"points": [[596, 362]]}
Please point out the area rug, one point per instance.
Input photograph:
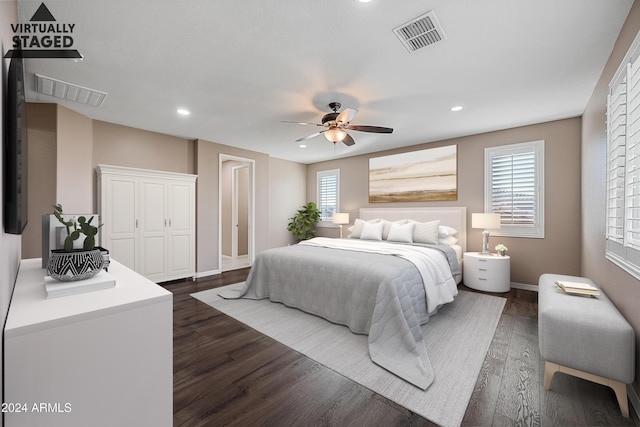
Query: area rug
{"points": [[457, 340]]}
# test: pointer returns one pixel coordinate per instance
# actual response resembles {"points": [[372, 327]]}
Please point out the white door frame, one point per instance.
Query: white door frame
{"points": [[235, 198], [251, 164]]}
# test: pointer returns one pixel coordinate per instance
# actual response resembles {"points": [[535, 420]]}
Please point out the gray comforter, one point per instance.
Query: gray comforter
{"points": [[381, 295]]}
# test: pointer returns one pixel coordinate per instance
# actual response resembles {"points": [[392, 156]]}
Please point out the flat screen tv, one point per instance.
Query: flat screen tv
{"points": [[15, 150]]}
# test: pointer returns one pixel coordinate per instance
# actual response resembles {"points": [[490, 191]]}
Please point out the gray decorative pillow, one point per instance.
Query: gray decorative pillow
{"points": [[426, 232]]}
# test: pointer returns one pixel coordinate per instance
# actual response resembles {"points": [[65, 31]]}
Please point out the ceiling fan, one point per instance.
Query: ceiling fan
{"points": [[337, 124]]}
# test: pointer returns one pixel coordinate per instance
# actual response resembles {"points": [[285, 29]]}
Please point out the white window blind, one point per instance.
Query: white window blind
{"points": [[616, 130], [328, 194], [623, 164], [632, 157], [514, 186]]}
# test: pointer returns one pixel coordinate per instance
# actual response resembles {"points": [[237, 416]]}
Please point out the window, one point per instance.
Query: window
{"points": [[623, 164], [328, 195], [514, 188]]}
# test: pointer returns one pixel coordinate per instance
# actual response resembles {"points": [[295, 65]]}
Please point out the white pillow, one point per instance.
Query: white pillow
{"points": [[387, 227], [401, 233], [426, 232], [445, 230], [358, 224], [372, 231], [449, 241]]}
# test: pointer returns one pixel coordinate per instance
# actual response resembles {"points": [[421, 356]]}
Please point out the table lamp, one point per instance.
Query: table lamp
{"points": [[485, 221], [341, 219]]}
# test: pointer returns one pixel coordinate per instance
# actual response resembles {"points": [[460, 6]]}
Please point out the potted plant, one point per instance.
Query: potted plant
{"points": [[501, 249], [71, 264], [303, 223]]}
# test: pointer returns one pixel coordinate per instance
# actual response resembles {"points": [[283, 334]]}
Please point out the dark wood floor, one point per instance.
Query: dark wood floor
{"points": [[226, 373]]}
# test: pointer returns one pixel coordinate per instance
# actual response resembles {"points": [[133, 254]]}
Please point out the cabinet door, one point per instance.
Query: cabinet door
{"points": [[153, 224], [181, 229], [119, 218]]}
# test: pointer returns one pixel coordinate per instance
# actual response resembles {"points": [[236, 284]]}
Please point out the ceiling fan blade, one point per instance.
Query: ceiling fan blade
{"points": [[348, 141], [346, 116], [301, 123], [366, 128], [313, 135]]}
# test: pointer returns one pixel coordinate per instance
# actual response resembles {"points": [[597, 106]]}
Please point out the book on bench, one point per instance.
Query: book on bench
{"points": [[577, 288]]}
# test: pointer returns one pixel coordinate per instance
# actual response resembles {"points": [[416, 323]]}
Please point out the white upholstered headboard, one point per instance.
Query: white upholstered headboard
{"points": [[455, 217]]}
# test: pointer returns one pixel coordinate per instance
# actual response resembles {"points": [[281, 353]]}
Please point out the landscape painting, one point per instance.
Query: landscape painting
{"points": [[417, 176]]}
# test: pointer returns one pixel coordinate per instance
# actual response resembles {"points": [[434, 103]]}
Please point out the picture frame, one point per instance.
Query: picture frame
{"points": [[415, 176]]}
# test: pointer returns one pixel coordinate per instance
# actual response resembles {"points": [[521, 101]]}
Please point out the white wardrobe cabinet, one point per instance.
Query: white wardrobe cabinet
{"points": [[149, 220]]}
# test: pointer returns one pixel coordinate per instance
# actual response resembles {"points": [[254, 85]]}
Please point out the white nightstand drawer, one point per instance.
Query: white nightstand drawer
{"points": [[487, 272]]}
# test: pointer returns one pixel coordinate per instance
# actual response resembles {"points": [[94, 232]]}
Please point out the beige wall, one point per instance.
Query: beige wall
{"points": [[622, 289], [557, 252], [41, 119], [287, 193], [130, 147], [73, 161]]}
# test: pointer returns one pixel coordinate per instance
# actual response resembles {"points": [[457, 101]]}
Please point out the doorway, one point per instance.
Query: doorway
{"points": [[237, 213]]}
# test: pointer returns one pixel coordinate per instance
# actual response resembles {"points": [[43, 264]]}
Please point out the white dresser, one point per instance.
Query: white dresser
{"points": [[102, 358], [489, 273]]}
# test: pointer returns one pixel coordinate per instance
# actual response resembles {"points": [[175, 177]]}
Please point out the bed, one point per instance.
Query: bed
{"points": [[385, 289]]}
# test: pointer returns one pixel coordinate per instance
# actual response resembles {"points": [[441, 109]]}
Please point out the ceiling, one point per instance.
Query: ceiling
{"points": [[243, 67]]}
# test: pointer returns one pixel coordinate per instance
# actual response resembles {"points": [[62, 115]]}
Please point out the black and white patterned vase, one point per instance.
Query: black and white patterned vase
{"points": [[75, 265]]}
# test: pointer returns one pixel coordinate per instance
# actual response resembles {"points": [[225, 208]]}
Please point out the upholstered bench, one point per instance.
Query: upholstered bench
{"points": [[585, 337]]}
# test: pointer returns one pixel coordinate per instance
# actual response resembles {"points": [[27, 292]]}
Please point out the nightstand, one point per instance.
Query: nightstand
{"points": [[491, 273]]}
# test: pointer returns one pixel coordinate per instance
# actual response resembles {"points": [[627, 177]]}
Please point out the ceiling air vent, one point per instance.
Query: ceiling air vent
{"points": [[69, 91], [420, 32]]}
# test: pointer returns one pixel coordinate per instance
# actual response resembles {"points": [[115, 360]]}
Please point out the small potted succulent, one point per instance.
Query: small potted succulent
{"points": [[501, 249], [71, 264]]}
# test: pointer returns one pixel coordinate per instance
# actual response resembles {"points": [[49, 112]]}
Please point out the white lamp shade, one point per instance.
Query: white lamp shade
{"points": [[485, 220], [341, 218]]}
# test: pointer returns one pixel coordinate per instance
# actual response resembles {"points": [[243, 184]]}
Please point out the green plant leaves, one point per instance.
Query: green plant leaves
{"points": [[86, 228], [302, 225]]}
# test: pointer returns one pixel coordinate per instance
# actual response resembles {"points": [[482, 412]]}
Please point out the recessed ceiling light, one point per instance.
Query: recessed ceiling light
{"points": [[183, 112], [302, 146], [363, 1], [456, 108]]}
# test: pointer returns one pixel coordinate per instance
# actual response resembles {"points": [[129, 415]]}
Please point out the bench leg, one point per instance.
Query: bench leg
{"points": [[620, 389], [549, 370], [621, 393]]}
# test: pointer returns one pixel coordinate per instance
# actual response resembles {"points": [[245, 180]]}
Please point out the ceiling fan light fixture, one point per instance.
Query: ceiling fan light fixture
{"points": [[335, 135]]}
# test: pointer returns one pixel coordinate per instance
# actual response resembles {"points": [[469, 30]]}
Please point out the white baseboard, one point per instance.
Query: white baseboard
{"points": [[633, 398], [524, 286], [207, 273]]}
